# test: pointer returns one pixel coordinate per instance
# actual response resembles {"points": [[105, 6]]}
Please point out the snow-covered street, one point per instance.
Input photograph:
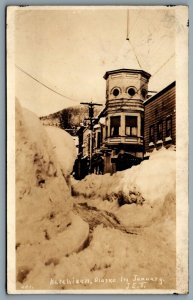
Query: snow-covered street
{"points": [[74, 234]]}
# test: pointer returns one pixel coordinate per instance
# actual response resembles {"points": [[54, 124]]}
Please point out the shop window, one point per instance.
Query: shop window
{"points": [[160, 131], [151, 134], [169, 127], [115, 125], [131, 125]]}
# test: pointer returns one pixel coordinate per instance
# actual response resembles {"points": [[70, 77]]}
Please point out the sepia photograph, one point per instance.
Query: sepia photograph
{"points": [[97, 159]]}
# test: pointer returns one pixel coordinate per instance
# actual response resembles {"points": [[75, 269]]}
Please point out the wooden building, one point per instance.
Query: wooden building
{"points": [[160, 119]]}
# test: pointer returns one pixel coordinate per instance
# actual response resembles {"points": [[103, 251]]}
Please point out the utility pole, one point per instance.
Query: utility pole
{"points": [[91, 118]]}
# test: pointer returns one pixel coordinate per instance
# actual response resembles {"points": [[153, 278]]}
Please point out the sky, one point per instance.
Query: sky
{"points": [[69, 49]]}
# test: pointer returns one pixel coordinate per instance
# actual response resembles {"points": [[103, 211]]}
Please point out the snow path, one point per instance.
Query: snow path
{"points": [[94, 217]]}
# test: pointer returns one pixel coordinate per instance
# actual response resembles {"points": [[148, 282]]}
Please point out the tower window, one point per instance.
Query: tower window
{"points": [[160, 131], [169, 126], [144, 93], [131, 91], [151, 134], [115, 92], [131, 125], [115, 125]]}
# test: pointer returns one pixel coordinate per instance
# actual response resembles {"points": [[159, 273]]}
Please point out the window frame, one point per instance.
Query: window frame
{"points": [[150, 135], [159, 138], [116, 88], [114, 135], [167, 129], [131, 127]]}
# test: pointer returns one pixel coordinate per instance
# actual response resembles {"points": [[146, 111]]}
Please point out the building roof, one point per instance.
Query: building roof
{"points": [[167, 88], [101, 113], [132, 71]]}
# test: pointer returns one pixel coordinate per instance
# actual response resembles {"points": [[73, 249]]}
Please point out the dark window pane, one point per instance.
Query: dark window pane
{"points": [[106, 131], [131, 91], [115, 131], [151, 133], [169, 127], [115, 92], [142, 126], [115, 125], [160, 131], [131, 121], [131, 125], [115, 121]]}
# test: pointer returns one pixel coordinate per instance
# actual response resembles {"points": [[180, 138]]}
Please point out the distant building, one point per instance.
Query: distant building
{"points": [[160, 119]]}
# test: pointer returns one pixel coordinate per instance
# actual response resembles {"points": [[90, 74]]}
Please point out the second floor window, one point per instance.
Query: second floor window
{"points": [[169, 127], [160, 131], [115, 125], [131, 125], [151, 134]]}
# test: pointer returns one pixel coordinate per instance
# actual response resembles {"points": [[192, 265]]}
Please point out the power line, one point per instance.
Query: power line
{"points": [[135, 53], [163, 64], [91, 106], [43, 84], [128, 39]]}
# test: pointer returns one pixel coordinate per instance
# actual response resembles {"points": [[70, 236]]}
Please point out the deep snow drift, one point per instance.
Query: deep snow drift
{"points": [[64, 147], [46, 229], [149, 188], [151, 250], [127, 247]]}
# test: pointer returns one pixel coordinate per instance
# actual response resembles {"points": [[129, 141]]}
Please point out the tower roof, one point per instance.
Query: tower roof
{"points": [[123, 70]]}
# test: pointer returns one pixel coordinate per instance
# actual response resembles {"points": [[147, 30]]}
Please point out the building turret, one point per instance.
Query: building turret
{"points": [[126, 90]]}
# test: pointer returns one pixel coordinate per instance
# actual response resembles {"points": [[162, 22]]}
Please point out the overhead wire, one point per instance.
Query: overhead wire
{"points": [[128, 39], [43, 84], [133, 30], [134, 51], [155, 73]]}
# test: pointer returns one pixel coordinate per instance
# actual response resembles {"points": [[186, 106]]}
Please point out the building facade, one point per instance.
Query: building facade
{"points": [[160, 119], [130, 119], [126, 91]]}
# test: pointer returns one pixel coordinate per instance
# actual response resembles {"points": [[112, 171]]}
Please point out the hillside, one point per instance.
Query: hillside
{"points": [[69, 118]]}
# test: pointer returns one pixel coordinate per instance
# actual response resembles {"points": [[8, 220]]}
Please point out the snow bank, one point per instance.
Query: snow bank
{"points": [[149, 188], [64, 146], [46, 230], [114, 256]]}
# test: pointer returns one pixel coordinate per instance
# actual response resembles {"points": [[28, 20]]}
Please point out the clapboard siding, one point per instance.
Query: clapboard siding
{"points": [[157, 109]]}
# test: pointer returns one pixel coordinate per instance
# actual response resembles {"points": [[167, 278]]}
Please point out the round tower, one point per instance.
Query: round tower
{"points": [[126, 90]]}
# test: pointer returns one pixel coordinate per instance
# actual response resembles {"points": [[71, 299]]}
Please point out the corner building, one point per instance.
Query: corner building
{"points": [[126, 91]]}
